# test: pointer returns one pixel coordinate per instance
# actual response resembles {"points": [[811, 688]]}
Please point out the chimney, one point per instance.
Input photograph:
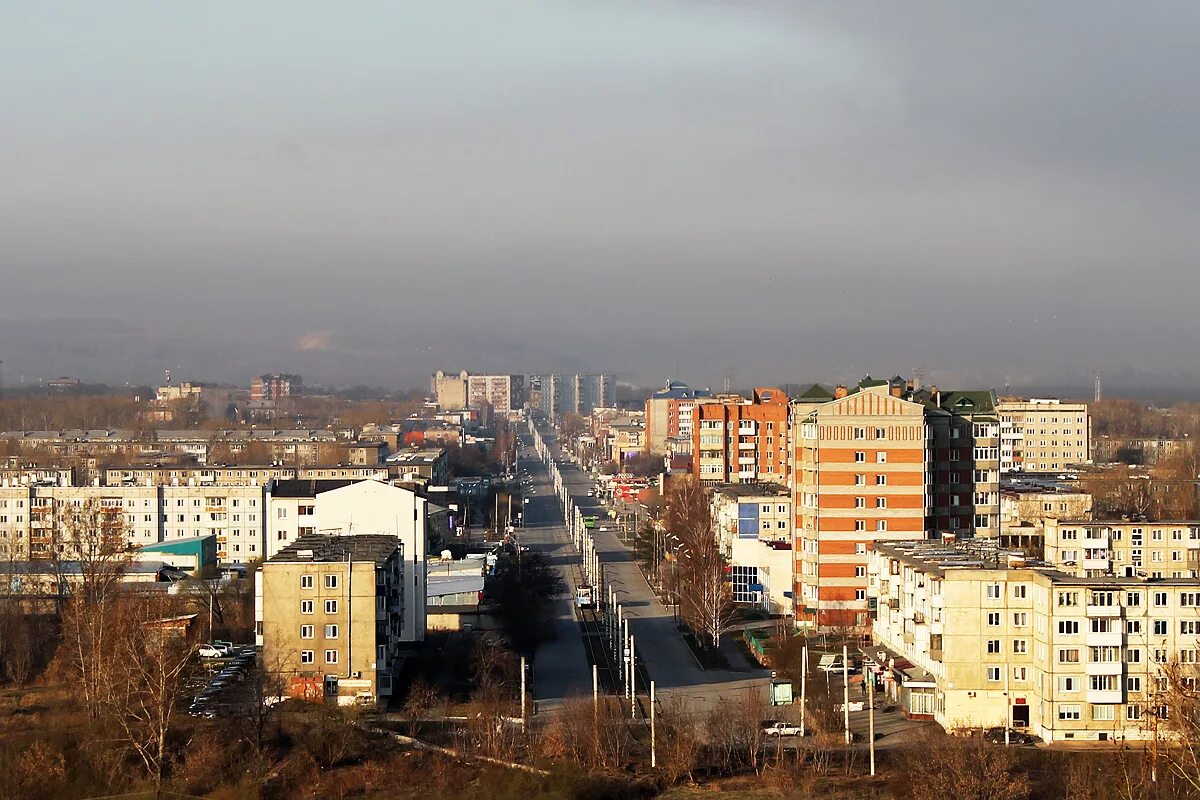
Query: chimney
{"points": [[897, 391], [840, 392]]}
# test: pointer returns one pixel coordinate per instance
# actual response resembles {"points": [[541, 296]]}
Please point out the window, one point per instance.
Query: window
{"points": [[860, 480], [1068, 598], [1160, 627], [331, 631], [306, 656], [1019, 591], [1068, 683], [993, 619], [1020, 619], [306, 606], [860, 524], [1189, 599], [1133, 626], [993, 673], [1160, 599], [881, 457], [993, 646], [881, 525], [881, 502], [331, 581], [881, 480], [307, 631], [860, 572], [860, 502], [860, 457], [993, 591], [1020, 673], [1133, 655], [860, 549], [860, 594], [1133, 683], [1068, 626], [1104, 713], [860, 433], [1133, 712], [1066, 712], [331, 606], [1020, 646], [1133, 598], [880, 433], [331, 656], [1103, 683]]}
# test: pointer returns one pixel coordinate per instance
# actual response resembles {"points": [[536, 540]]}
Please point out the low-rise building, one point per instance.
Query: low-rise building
{"points": [[430, 465], [329, 612], [1025, 507], [975, 637], [753, 523]]}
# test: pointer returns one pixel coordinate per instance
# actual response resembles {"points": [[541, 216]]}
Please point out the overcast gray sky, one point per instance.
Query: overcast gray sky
{"points": [[369, 191]]}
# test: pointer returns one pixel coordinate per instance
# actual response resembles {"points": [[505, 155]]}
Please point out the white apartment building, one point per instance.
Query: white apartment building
{"points": [[976, 639], [1043, 435], [30, 516], [1153, 550]]}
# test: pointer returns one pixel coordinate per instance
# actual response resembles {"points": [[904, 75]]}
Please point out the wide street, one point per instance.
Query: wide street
{"points": [[660, 648]]}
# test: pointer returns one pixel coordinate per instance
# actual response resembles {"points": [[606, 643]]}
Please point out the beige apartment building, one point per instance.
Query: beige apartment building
{"points": [[753, 523], [329, 616], [973, 637], [1168, 550], [1043, 435]]}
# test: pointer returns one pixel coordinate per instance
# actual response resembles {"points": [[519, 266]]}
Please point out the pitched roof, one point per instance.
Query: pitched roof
{"points": [[816, 392]]}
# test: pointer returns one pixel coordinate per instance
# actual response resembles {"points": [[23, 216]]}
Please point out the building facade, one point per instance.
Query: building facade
{"points": [[276, 386], [330, 616], [974, 638], [671, 415], [450, 391], [743, 441], [1043, 435], [501, 393], [1168, 550], [753, 523]]}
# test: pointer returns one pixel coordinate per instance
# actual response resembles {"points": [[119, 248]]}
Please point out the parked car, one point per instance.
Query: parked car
{"points": [[774, 727], [996, 736], [214, 651]]}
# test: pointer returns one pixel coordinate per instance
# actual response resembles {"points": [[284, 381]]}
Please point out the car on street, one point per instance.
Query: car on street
{"points": [[215, 651], [773, 727]]}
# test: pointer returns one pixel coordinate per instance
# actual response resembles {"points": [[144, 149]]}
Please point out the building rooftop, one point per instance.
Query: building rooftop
{"points": [[765, 489], [320, 548], [426, 455], [296, 487]]}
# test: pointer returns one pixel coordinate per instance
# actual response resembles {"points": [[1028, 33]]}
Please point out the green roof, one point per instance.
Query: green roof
{"points": [[816, 392]]}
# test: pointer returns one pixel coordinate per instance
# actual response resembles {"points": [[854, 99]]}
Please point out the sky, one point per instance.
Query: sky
{"points": [[366, 192]]}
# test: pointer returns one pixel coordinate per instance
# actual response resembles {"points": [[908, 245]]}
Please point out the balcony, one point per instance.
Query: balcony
{"points": [[1111, 639], [936, 655], [747, 445], [1105, 698], [1102, 564], [1113, 612], [1104, 668]]}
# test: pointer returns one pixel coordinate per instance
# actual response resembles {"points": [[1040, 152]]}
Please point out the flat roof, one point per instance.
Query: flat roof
{"points": [[318, 547]]}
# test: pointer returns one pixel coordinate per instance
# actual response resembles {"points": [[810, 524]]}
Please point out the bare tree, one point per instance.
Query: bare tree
{"points": [[940, 767], [1176, 714], [705, 596], [151, 661]]}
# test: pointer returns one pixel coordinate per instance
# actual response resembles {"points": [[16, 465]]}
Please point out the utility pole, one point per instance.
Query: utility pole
{"points": [[523, 692], [632, 680], [803, 688], [653, 736], [595, 689], [871, 728], [846, 689]]}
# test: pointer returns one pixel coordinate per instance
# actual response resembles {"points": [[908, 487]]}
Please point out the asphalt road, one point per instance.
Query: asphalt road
{"points": [[561, 667], [661, 649]]}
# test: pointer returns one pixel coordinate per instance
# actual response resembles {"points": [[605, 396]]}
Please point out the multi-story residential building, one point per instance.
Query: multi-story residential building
{"points": [[32, 517], [450, 391], [330, 616], [236, 476], [17, 475], [1167, 550], [592, 392], [860, 474], [276, 386], [1132, 450], [671, 415], [965, 435], [753, 522], [501, 393], [626, 437], [742, 441], [296, 509], [973, 637], [1043, 435]]}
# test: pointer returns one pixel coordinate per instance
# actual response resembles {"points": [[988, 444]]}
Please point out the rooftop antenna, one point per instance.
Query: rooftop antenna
{"points": [[1098, 385], [728, 379]]}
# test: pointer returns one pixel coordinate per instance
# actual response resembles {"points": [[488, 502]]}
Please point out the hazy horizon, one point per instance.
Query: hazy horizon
{"points": [[366, 194]]}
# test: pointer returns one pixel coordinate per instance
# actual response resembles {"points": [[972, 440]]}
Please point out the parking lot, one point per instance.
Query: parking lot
{"points": [[217, 688]]}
